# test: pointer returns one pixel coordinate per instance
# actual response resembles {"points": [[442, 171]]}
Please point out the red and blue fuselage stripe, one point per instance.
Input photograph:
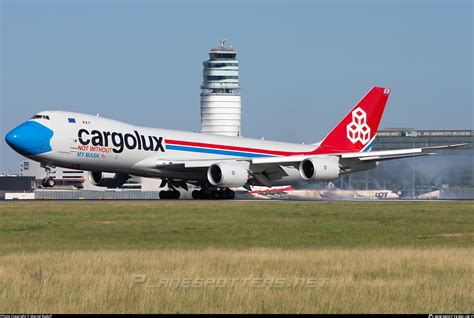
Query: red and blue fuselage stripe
{"points": [[236, 151], [225, 150], [216, 151]]}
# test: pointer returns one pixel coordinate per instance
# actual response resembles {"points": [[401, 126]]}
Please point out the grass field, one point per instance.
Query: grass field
{"points": [[271, 257]]}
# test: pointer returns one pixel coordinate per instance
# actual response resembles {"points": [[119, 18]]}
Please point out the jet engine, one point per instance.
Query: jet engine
{"points": [[226, 175], [98, 179], [320, 169]]}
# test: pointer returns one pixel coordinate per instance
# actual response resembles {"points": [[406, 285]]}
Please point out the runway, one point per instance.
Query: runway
{"points": [[235, 200]]}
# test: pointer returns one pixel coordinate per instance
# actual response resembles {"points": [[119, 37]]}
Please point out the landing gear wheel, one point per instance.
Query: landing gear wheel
{"points": [[230, 194], [176, 195], [48, 182], [213, 195], [170, 194]]}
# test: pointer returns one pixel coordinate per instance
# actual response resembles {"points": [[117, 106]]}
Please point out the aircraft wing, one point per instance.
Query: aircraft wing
{"points": [[361, 156], [349, 162], [292, 160], [396, 154]]}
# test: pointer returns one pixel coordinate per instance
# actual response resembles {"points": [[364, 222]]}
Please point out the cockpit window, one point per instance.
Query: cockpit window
{"points": [[40, 116]]}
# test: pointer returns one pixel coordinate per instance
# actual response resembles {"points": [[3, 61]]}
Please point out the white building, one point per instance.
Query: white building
{"points": [[220, 95]]}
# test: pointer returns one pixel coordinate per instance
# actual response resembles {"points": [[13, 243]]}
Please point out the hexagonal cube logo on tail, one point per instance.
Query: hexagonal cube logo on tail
{"points": [[357, 129]]}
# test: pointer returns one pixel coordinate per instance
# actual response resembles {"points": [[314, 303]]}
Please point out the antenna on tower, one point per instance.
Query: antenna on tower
{"points": [[222, 43]]}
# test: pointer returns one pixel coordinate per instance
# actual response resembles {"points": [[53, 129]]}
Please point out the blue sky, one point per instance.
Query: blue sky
{"points": [[303, 63]]}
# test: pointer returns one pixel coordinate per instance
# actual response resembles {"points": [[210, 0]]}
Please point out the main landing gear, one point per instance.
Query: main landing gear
{"points": [[47, 182], [170, 194], [207, 192], [226, 194]]}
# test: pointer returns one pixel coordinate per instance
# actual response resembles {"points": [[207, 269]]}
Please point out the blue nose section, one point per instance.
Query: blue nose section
{"points": [[30, 138]]}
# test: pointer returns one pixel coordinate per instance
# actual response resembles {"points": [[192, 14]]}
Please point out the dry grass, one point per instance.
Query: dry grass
{"points": [[390, 280]]}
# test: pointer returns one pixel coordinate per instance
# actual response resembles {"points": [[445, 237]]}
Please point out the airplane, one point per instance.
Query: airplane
{"points": [[214, 164], [328, 193]]}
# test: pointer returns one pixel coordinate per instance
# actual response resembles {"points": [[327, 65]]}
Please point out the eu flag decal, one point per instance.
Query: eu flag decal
{"points": [[72, 120]]}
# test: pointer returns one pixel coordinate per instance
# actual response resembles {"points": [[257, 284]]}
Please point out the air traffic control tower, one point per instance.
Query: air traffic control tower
{"points": [[220, 95]]}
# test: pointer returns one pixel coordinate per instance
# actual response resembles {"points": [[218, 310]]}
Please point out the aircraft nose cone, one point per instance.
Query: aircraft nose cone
{"points": [[30, 138]]}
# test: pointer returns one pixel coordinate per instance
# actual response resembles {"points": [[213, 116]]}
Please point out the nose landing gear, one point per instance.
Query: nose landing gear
{"points": [[48, 181]]}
